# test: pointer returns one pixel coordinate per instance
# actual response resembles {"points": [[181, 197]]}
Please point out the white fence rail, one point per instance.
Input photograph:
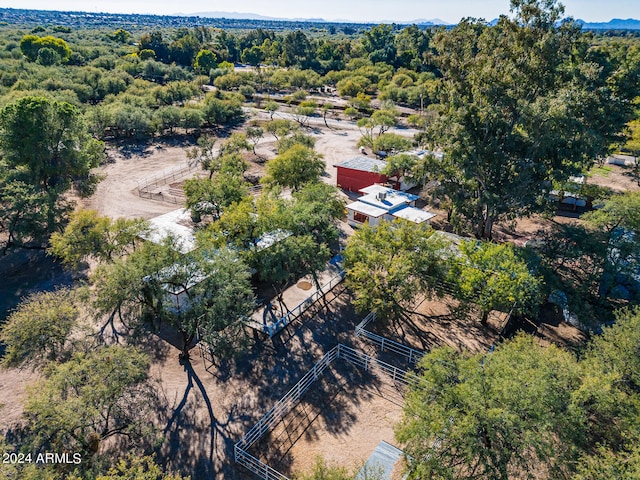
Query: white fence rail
{"points": [[148, 186], [293, 396], [298, 310], [413, 355]]}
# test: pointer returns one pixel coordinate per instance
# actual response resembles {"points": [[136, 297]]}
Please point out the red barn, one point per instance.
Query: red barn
{"points": [[360, 172]]}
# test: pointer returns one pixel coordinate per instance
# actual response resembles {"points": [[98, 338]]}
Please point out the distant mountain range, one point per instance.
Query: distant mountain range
{"points": [[255, 16], [615, 24]]}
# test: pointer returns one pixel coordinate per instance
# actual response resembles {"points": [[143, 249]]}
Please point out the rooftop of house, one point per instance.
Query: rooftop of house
{"points": [[414, 214], [364, 164], [176, 224], [386, 198], [367, 209]]}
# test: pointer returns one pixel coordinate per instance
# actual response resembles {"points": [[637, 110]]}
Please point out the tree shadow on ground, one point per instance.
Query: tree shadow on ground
{"points": [[143, 147], [25, 272], [330, 406], [189, 440], [271, 368]]}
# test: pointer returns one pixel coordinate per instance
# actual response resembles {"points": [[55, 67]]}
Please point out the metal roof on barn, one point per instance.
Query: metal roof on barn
{"points": [[364, 164]]}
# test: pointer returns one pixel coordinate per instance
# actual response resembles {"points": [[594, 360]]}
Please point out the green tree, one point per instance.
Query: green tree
{"points": [[501, 415], [91, 397], [252, 56], [49, 139], [303, 111], [493, 277], [294, 168], [271, 107], [632, 145], [37, 331], [526, 103], [616, 223], [376, 125], [391, 143], [403, 166], [47, 57], [28, 214], [222, 109], [316, 209], [254, 134], [155, 42], [609, 394], [88, 235], [121, 36], [30, 45], [378, 42], [134, 467], [210, 196], [297, 138], [289, 259], [389, 266], [224, 159], [46, 149], [217, 297], [605, 465], [206, 60], [278, 128], [615, 350]]}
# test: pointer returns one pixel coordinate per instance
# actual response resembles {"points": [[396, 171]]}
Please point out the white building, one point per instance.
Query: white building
{"points": [[384, 203]]}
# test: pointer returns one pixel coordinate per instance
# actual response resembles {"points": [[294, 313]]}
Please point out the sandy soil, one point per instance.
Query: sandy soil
{"points": [[13, 383], [616, 177], [436, 323], [129, 166], [341, 419]]}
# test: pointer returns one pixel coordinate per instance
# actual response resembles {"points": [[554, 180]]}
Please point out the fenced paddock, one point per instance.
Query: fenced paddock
{"points": [[397, 379], [431, 323], [273, 328], [152, 187], [384, 344]]}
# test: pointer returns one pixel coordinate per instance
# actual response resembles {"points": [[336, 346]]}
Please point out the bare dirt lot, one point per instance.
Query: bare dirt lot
{"points": [[341, 419], [436, 323], [129, 166]]}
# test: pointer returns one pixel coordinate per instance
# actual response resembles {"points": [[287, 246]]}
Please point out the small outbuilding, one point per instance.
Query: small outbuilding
{"points": [[359, 172], [383, 203], [176, 224]]}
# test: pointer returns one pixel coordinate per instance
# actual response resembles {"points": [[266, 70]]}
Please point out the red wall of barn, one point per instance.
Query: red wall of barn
{"points": [[354, 180]]}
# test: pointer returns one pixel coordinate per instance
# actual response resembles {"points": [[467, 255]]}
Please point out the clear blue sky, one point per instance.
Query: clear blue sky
{"points": [[357, 10]]}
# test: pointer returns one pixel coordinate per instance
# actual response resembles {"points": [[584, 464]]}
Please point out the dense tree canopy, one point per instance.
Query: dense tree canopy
{"points": [[45, 149], [501, 415], [88, 235], [524, 409], [525, 103], [493, 277], [38, 330], [87, 399], [389, 266], [295, 167]]}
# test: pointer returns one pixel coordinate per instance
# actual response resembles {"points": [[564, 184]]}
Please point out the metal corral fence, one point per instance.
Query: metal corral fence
{"points": [[293, 396], [147, 187], [295, 312], [414, 356]]}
